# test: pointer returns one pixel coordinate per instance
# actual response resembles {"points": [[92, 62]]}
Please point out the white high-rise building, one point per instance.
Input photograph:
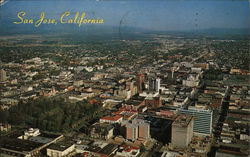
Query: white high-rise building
{"points": [[202, 119], [182, 131], [157, 84]]}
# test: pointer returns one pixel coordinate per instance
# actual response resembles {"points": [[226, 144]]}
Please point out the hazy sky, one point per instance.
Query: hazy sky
{"points": [[147, 14]]}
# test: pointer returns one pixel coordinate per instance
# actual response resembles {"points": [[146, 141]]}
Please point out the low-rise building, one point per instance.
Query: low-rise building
{"points": [[60, 149], [102, 131], [111, 119], [126, 150], [5, 127]]}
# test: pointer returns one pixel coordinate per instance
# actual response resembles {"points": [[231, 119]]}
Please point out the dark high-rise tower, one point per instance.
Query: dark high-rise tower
{"points": [[140, 78], [154, 84]]}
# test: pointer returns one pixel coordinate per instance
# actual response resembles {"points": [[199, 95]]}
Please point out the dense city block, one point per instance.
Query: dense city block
{"points": [[163, 95]]}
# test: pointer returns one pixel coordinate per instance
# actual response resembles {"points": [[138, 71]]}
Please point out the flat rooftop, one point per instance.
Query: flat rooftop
{"points": [[108, 149], [40, 139], [61, 145], [18, 144], [182, 120]]}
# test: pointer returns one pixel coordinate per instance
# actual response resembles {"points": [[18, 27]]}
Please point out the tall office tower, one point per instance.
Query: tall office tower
{"points": [[130, 85], [151, 84], [138, 129], [157, 84], [140, 78], [131, 132], [3, 76], [157, 101], [202, 119], [182, 131], [143, 130], [154, 84]]}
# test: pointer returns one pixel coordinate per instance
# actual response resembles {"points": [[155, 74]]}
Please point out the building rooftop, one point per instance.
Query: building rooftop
{"points": [[105, 126], [127, 148], [108, 149], [182, 120], [61, 145], [112, 118], [18, 144], [40, 139]]}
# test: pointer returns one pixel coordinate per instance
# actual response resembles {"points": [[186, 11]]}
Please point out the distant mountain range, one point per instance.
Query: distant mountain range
{"points": [[126, 32]]}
